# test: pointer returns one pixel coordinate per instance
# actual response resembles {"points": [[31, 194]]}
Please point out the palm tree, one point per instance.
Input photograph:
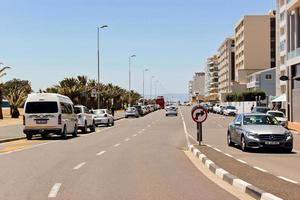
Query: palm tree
{"points": [[16, 92], [2, 73]]}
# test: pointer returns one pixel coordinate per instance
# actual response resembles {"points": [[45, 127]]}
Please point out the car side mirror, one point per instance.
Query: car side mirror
{"points": [[237, 123]]}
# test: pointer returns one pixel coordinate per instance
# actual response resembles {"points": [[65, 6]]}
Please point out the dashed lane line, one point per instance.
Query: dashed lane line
{"points": [[116, 145], [242, 161], [100, 153], [79, 166], [260, 169], [287, 179], [54, 190]]}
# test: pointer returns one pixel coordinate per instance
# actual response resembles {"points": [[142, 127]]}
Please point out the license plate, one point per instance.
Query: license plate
{"points": [[41, 121], [272, 143]]}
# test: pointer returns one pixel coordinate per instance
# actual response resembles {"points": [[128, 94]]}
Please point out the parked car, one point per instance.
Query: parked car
{"points": [[230, 111], [280, 116], [103, 116], [144, 109], [139, 109], [216, 108], [46, 113], [85, 118], [172, 110], [131, 112], [260, 109], [258, 130]]}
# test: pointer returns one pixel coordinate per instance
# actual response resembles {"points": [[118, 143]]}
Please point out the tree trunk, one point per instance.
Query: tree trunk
{"points": [[1, 113]]}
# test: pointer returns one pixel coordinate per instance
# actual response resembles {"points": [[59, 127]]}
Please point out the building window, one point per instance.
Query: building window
{"points": [[268, 76]]}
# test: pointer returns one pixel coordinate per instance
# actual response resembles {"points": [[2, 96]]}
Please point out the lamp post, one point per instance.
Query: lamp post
{"points": [[152, 77], [131, 56], [98, 63], [145, 70]]}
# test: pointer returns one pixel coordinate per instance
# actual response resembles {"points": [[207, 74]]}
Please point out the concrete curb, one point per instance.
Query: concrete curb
{"points": [[241, 185], [11, 139]]}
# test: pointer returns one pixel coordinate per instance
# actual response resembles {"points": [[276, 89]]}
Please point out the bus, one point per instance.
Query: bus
{"points": [[161, 102]]}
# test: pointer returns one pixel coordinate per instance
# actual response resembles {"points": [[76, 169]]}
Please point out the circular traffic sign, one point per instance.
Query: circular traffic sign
{"points": [[199, 114]]}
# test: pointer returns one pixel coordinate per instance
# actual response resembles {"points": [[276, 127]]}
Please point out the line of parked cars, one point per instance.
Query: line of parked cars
{"points": [[140, 110], [48, 113]]}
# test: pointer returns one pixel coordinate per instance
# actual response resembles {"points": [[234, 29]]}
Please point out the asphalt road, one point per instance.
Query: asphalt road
{"points": [[136, 159], [279, 164]]}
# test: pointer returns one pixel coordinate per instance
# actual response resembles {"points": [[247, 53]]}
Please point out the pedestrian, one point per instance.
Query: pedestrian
{"points": [[252, 107]]}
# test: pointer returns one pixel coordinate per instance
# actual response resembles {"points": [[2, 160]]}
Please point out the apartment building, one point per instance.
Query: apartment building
{"points": [[255, 45], [212, 78], [289, 62], [197, 86], [226, 65]]}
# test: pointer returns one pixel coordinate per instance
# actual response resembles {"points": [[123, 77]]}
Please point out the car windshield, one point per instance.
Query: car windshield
{"points": [[41, 107], [98, 112], [260, 120], [231, 107], [276, 114], [77, 110]]}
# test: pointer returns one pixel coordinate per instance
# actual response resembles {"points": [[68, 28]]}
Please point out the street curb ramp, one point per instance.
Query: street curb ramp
{"points": [[241, 185]]}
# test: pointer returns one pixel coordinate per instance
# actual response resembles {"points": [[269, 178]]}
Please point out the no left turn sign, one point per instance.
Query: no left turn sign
{"points": [[199, 114]]}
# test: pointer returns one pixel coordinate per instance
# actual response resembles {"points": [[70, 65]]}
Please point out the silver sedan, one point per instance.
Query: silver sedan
{"points": [[258, 131]]}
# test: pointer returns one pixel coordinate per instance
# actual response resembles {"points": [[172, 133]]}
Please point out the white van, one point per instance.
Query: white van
{"points": [[46, 113]]}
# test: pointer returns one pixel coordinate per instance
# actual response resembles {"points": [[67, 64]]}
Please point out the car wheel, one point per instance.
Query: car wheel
{"points": [[29, 136], [243, 144], [229, 141], [44, 136], [74, 134], [64, 133], [84, 130], [93, 127]]}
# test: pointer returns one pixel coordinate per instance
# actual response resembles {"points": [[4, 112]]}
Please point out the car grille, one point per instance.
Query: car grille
{"points": [[272, 137]]}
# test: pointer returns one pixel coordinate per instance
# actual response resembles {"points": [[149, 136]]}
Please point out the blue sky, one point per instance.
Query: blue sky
{"points": [[46, 40]]}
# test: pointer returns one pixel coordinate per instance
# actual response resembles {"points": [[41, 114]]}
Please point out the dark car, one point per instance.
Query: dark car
{"points": [[139, 109]]}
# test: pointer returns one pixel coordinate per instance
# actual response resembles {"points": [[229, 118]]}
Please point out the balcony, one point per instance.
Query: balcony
{"points": [[253, 84], [293, 54], [292, 4]]}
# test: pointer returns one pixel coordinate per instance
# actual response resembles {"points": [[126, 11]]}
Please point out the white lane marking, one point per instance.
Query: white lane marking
{"points": [[241, 161], [116, 145], [134, 135], [260, 169], [228, 155], [54, 190], [287, 179], [79, 165], [217, 149], [100, 153], [127, 139], [185, 130]]}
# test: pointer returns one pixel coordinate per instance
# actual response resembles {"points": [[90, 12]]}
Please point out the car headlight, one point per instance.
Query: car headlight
{"points": [[251, 134], [288, 134]]}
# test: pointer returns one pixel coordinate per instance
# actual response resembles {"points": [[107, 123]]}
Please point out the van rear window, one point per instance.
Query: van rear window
{"points": [[41, 107]]}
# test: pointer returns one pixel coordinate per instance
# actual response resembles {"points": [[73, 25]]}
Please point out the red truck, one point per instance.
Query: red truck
{"points": [[161, 102]]}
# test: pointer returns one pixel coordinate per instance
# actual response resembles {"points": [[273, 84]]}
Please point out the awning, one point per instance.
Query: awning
{"points": [[281, 98]]}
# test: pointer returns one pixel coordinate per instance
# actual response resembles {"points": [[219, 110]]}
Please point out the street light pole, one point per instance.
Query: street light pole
{"points": [[98, 63], [130, 78], [145, 70], [151, 86]]}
